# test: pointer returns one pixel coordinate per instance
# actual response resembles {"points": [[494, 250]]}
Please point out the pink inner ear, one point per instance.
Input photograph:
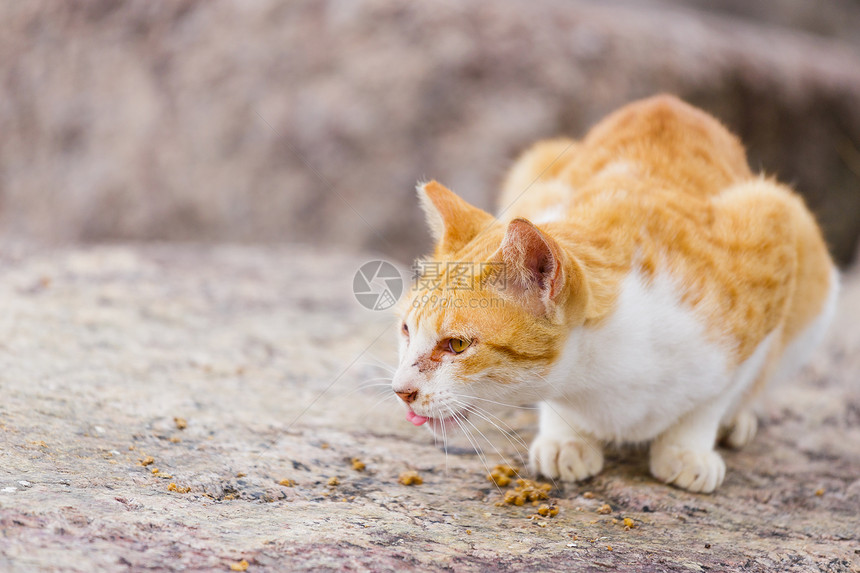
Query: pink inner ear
{"points": [[541, 265], [531, 253]]}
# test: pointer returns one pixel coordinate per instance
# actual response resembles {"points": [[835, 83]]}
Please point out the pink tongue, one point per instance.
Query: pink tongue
{"points": [[415, 418]]}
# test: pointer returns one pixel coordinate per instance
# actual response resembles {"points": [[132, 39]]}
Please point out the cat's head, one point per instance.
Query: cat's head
{"points": [[488, 313]]}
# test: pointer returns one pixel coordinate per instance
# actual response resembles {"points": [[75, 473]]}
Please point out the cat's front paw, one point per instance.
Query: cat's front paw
{"points": [[570, 459], [696, 471]]}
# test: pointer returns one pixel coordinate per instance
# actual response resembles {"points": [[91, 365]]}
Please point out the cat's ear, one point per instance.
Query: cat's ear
{"points": [[453, 222], [533, 265]]}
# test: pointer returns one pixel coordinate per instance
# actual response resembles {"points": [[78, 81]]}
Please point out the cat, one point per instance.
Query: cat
{"points": [[651, 286]]}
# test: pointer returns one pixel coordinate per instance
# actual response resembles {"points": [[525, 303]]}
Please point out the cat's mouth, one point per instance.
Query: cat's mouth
{"points": [[437, 425]]}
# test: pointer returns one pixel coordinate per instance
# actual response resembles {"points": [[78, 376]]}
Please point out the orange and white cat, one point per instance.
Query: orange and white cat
{"points": [[652, 286]]}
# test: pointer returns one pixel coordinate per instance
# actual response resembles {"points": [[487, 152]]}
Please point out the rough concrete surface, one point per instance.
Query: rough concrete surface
{"points": [[267, 357]]}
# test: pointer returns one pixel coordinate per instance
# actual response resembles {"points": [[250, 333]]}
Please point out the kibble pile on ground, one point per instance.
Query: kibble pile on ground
{"points": [[173, 408]]}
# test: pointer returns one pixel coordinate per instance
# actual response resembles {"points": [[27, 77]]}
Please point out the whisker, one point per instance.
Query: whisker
{"points": [[478, 409], [508, 434], [457, 417], [445, 445], [379, 364], [495, 420], [380, 401], [549, 405], [370, 382], [364, 387], [375, 357], [373, 385], [504, 459], [454, 416], [499, 403]]}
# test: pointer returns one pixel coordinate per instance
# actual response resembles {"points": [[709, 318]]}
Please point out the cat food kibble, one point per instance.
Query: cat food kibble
{"points": [[501, 475], [547, 510], [526, 491], [410, 478]]}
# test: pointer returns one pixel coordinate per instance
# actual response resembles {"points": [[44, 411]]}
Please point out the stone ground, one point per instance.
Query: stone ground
{"points": [[267, 356]]}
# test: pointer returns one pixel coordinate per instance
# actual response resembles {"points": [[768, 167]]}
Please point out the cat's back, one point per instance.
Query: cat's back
{"points": [[747, 249], [667, 141], [659, 143]]}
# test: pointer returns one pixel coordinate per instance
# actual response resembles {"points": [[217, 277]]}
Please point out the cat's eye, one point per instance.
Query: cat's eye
{"points": [[458, 345], [405, 329]]}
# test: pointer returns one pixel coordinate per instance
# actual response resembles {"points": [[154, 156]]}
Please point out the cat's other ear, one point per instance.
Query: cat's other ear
{"points": [[453, 222], [534, 267]]}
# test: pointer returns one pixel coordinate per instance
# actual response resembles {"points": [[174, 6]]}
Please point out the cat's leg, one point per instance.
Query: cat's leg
{"points": [[684, 454], [740, 422], [562, 449], [741, 428]]}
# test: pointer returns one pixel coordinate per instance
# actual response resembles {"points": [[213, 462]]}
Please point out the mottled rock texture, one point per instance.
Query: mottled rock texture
{"points": [[311, 120], [266, 359]]}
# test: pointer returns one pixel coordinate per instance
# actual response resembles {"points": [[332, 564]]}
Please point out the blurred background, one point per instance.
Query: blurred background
{"points": [[310, 121]]}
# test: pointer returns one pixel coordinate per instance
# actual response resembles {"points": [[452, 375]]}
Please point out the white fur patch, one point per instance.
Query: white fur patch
{"points": [[637, 374], [549, 215], [619, 167]]}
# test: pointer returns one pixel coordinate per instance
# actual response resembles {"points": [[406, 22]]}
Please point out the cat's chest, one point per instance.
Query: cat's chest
{"points": [[631, 376]]}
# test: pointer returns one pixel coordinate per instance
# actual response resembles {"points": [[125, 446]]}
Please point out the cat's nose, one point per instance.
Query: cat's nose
{"points": [[409, 395]]}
